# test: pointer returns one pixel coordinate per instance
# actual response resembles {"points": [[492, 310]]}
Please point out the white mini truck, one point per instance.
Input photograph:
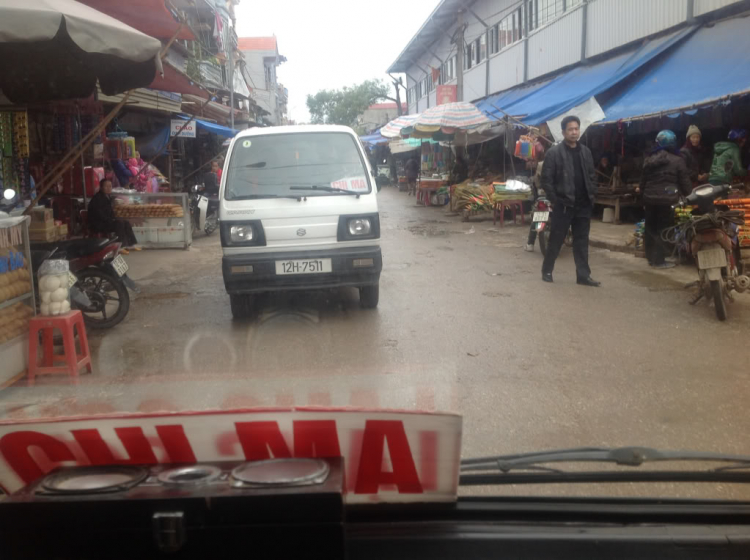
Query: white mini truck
{"points": [[298, 211]]}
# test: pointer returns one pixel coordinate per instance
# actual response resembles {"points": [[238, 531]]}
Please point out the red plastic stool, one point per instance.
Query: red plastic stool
{"points": [[73, 361], [513, 205]]}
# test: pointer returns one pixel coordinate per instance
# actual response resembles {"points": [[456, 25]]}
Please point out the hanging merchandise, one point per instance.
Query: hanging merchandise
{"points": [[525, 148]]}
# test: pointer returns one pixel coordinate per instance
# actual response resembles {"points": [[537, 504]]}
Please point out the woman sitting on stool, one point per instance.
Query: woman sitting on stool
{"points": [[101, 218]]}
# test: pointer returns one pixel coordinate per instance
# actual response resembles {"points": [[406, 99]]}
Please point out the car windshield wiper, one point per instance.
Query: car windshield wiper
{"points": [[504, 469], [258, 196], [324, 189]]}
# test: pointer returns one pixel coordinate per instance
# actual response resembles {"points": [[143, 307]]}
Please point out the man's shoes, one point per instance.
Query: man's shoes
{"points": [[547, 277], [529, 247], [665, 265], [589, 282]]}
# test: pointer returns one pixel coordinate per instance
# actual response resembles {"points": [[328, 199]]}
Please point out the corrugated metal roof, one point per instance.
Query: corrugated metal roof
{"points": [[440, 20], [144, 98]]}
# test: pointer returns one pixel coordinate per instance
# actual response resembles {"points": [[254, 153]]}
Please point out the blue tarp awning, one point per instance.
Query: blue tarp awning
{"points": [[544, 101], [711, 64], [214, 128], [376, 138]]}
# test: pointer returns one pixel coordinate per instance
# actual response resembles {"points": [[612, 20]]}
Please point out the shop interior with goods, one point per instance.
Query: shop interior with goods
{"points": [[148, 172]]}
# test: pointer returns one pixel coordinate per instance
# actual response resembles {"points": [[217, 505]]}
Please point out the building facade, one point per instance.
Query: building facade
{"points": [[378, 114], [507, 43], [261, 59]]}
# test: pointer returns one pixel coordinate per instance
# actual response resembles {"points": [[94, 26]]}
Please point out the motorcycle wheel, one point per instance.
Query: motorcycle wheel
{"points": [[212, 222], [110, 300], [543, 239], [719, 302]]}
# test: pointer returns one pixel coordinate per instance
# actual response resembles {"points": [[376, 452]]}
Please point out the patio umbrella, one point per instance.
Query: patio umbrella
{"points": [[460, 115], [58, 49], [393, 128]]}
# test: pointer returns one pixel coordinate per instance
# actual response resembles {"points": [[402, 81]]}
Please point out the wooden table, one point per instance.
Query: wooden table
{"points": [[617, 202], [427, 186]]}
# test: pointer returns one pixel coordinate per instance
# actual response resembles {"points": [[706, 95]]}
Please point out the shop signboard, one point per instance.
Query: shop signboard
{"points": [[187, 132], [390, 456], [446, 94]]}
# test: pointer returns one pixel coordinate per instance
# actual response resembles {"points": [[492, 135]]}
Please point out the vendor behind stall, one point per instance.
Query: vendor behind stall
{"points": [[604, 169], [101, 217], [696, 157], [727, 162]]}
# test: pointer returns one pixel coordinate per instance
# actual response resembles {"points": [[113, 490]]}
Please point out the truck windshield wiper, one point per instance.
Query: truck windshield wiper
{"points": [[259, 196], [324, 189], [533, 467]]}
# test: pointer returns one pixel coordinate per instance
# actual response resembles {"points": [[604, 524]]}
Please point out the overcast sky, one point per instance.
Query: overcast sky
{"points": [[332, 43]]}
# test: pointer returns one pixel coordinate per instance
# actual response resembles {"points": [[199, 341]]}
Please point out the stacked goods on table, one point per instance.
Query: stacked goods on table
{"points": [[42, 227], [682, 215], [15, 278], [473, 197], [149, 211], [511, 190], [742, 204], [14, 321]]}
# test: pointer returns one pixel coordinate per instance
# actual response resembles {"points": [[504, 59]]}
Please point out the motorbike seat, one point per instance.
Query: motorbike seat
{"points": [[74, 248]]}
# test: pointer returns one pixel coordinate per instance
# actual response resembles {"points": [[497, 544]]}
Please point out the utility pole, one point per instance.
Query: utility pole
{"points": [[396, 84], [231, 76], [459, 39]]}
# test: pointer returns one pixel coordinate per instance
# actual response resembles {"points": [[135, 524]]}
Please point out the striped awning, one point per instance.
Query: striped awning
{"points": [[460, 115], [393, 128]]}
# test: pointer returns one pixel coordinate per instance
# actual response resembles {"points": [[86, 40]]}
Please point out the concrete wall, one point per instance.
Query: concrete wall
{"points": [[705, 6], [556, 45], [263, 94], [613, 23]]}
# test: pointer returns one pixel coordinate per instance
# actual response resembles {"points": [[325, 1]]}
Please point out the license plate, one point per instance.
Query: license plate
{"points": [[712, 258], [313, 266], [120, 266], [541, 216]]}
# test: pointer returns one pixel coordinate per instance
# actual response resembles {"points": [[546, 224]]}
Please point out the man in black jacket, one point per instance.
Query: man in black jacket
{"points": [[568, 179]]}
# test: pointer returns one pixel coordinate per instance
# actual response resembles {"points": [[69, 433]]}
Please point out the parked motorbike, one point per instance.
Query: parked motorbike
{"points": [[540, 218], [100, 289], [711, 236], [204, 210]]}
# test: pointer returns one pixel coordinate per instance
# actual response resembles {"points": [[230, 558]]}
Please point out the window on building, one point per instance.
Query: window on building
{"points": [[430, 83], [549, 10], [494, 46], [482, 47]]}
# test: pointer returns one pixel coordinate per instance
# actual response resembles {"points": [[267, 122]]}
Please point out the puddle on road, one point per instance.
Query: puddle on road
{"points": [[653, 281], [428, 231]]}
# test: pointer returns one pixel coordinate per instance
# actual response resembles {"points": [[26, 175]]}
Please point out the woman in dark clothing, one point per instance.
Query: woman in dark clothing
{"points": [[664, 178], [697, 159], [101, 217]]}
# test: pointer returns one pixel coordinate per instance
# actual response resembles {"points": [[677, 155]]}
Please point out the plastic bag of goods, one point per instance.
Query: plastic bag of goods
{"points": [[54, 291]]}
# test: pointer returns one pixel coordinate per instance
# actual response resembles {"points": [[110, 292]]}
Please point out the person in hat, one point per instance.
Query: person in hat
{"points": [[695, 155], [665, 176]]}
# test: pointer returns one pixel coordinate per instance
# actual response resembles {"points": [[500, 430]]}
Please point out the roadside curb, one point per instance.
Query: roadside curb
{"points": [[612, 246]]}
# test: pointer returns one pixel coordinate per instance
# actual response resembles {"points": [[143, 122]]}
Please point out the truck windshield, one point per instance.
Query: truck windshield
{"points": [[273, 164]]}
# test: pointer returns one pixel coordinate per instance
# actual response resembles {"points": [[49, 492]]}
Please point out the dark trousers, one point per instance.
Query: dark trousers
{"points": [[562, 218], [658, 218], [121, 228]]}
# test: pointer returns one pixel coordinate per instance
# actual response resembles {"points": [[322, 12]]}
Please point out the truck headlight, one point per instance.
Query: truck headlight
{"points": [[241, 234], [360, 226]]}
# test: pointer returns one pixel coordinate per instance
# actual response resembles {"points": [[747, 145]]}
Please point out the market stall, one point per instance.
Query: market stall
{"points": [[16, 297], [160, 221]]}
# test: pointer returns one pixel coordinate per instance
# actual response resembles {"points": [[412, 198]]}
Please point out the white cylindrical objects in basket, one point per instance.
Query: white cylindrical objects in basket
{"points": [[53, 287]]}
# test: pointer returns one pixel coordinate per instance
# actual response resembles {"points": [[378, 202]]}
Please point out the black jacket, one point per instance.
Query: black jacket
{"points": [[558, 176], [101, 215], [697, 161], [664, 177]]}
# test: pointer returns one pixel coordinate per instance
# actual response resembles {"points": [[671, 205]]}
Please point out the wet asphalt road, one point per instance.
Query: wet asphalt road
{"points": [[464, 324]]}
